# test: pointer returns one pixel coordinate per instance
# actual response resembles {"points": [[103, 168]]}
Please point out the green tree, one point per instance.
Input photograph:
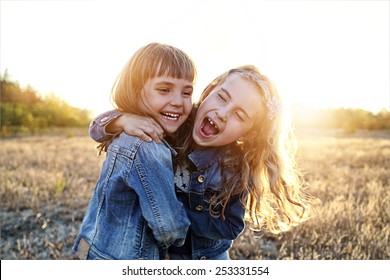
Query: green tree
{"points": [[24, 110]]}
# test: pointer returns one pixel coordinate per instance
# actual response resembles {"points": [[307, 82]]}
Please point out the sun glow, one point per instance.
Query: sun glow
{"points": [[318, 53]]}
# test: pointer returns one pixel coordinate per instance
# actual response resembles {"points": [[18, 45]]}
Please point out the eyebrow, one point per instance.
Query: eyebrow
{"points": [[230, 97]]}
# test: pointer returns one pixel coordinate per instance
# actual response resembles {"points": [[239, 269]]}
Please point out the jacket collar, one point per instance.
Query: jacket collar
{"points": [[174, 153], [206, 158]]}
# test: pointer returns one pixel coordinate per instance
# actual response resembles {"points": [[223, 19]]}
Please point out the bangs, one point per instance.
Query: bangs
{"points": [[173, 63], [176, 69]]}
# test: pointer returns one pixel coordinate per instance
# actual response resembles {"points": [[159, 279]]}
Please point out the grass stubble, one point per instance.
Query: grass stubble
{"points": [[46, 183]]}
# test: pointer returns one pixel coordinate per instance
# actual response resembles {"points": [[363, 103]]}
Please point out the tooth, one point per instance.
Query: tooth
{"points": [[171, 115], [211, 122]]}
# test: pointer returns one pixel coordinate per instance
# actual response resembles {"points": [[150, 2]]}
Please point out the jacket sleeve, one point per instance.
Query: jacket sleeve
{"points": [[154, 185], [207, 226], [97, 127]]}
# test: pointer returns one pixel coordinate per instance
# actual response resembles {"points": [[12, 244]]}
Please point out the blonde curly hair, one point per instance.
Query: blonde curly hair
{"points": [[262, 170]]}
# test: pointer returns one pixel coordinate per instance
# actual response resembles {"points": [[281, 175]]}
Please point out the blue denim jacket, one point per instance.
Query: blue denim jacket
{"points": [[209, 236], [134, 212]]}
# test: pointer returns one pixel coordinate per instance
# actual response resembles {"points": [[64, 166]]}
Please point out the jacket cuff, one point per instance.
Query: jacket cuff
{"points": [[97, 127]]}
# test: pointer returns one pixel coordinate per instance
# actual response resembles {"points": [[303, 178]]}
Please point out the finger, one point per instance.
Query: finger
{"points": [[141, 134], [157, 127], [158, 130], [151, 132], [154, 130]]}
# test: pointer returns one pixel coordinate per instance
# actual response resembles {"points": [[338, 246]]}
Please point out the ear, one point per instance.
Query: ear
{"points": [[247, 136], [240, 140]]}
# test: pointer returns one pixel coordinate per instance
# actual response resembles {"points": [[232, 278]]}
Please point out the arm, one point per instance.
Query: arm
{"points": [[106, 125], [97, 127]]}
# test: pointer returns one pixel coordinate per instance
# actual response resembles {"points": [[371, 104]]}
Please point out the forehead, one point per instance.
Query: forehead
{"points": [[166, 79], [243, 94]]}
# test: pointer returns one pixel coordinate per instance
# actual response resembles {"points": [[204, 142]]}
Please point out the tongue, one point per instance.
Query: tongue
{"points": [[209, 129]]}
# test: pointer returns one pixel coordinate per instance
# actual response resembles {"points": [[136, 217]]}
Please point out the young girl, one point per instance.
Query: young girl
{"points": [[125, 218], [236, 157]]}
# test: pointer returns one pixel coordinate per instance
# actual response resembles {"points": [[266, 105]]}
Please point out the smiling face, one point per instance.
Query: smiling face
{"points": [[228, 112], [168, 100]]}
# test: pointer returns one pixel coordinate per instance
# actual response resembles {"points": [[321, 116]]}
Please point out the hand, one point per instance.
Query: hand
{"points": [[143, 127]]}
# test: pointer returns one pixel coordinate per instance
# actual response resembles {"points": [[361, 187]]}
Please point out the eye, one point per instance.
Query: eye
{"points": [[164, 90], [240, 116], [221, 96], [188, 93]]}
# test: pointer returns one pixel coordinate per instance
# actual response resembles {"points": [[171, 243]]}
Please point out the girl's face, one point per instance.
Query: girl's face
{"points": [[168, 100], [228, 112]]}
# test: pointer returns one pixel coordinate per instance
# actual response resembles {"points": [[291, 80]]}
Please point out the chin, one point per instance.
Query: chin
{"points": [[201, 141], [171, 130]]}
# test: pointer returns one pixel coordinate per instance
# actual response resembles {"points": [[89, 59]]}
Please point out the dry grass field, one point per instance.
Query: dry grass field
{"points": [[46, 183]]}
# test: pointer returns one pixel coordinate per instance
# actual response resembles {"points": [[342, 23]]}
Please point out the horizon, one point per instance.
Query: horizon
{"points": [[291, 106], [320, 54]]}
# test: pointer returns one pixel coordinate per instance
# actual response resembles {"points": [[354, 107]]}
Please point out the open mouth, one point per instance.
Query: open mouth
{"points": [[208, 128], [170, 116]]}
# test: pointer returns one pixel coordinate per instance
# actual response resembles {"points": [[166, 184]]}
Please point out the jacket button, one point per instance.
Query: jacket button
{"points": [[199, 207], [201, 179], [203, 258]]}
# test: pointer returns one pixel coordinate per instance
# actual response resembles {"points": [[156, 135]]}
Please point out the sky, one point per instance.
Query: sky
{"points": [[319, 53]]}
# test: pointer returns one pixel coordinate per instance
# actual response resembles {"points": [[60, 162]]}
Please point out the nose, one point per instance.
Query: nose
{"points": [[221, 114], [177, 99]]}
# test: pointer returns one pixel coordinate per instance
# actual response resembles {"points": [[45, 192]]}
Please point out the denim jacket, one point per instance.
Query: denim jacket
{"points": [[97, 126], [209, 236], [134, 212]]}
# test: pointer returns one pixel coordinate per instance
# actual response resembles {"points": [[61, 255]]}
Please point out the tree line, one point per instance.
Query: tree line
{"points": [[348, 119], [25, 110]]}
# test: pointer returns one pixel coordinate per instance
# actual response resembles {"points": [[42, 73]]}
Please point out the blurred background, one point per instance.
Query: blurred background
{"points": [[328, 59], [320, 54]]}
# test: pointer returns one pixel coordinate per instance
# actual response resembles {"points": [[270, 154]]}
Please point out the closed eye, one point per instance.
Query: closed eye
{"points": [[240, 116], [224, 94], [221, 96]]}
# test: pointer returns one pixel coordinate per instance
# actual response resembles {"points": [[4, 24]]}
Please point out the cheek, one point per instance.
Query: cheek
{"points": [[146, 103], [188, 106], [232, 132], [156, 104], [197, 122], [238, 129]]}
